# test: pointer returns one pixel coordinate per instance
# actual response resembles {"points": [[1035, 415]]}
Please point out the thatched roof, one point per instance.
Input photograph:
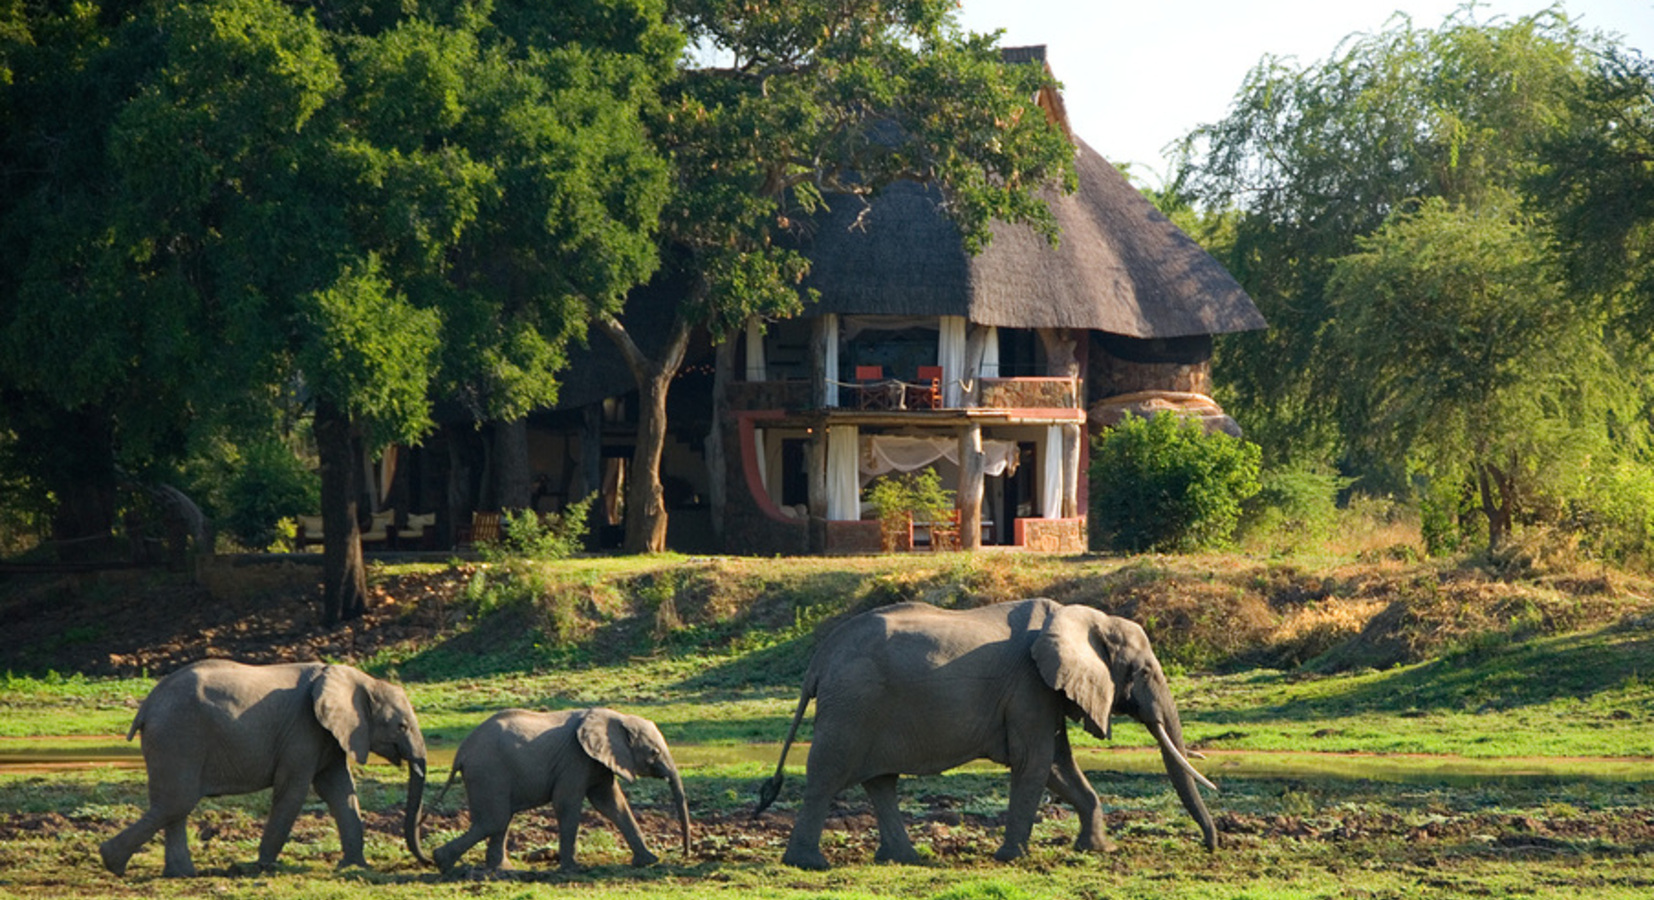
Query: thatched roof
{"points": [[1120, 267]]}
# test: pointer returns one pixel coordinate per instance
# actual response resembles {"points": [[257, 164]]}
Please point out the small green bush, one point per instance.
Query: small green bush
{"points": [[266, 483], [1162, 484], [1295, 506], [919, 492], [525, 535]]}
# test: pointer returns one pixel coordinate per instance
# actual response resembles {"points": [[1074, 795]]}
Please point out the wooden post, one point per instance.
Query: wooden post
{"points": [[820, 335], [971, 465]]}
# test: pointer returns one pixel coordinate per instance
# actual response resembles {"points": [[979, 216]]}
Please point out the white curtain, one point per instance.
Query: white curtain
{"points": [[990, 354], [762, 458], [1051, 466], [843, 485], [830, 326], [755, 351], [950, 355], [883, 453]]}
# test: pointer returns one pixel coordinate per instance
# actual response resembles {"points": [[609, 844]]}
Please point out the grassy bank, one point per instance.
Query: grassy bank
{"points": [[1378, 728]]}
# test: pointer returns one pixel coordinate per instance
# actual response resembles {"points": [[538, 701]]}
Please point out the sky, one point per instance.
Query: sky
{"points": [[1140, 74]]}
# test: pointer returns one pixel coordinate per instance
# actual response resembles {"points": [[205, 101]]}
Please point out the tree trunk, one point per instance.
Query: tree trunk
{"points": [[970, 487], [80, 467], [718, 486], [511, 450], [1498, 490], [645, 498], [344, 578]]}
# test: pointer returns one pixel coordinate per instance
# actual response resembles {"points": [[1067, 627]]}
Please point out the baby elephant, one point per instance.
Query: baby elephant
{"points": [[520, 759]]}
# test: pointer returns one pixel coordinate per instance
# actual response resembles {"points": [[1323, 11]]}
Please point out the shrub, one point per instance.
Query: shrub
{"points": [[1162, 484], [524, 534], [265, 485], [1296, 505], [919, 493]]}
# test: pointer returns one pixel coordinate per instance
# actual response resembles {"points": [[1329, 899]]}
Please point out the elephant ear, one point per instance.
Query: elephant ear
{"points": [[340, 699], [605, 738], [1070, 658]]}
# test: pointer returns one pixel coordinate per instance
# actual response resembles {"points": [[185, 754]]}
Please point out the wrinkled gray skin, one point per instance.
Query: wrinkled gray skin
{"points": [[217, 727], [520, 759], [912, 689]]}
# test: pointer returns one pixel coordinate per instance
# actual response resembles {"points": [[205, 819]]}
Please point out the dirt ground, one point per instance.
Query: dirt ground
{"points": [[129, 623]]}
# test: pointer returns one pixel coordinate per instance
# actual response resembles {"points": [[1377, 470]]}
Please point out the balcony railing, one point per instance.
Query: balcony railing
{"points": [[796, 395]]}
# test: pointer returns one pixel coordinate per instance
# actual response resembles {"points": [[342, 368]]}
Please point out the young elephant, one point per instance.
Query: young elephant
{"points": [[520, 759], [218, 727]]}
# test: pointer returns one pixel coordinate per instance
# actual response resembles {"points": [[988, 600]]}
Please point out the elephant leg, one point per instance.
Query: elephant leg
{"points": [[1073, 788], [894, 844], [607, 798], [804, 844], [169, 805], [178, 862], [497, 854], [286, 801], [334, 785], [568, 831], [1029, 773], [448, 854]]}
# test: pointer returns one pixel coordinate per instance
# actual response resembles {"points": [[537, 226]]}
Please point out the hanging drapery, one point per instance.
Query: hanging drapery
{"points": [[761, 457], [884, 453], [830, 325], [950, 355], [1051, 467], [756, 364], [990, 354], [387, 473], [843, 485]]}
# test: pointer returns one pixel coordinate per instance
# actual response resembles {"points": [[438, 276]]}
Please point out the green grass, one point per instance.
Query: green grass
{"points": [[1496, 769]]}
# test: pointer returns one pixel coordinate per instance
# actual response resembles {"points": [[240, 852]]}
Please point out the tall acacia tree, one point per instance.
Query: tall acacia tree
{"points": [[361, 202], [790, 105]]}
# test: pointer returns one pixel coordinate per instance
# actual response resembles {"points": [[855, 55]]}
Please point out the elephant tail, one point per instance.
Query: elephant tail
{"points": [[453, 775], [771, 788]]}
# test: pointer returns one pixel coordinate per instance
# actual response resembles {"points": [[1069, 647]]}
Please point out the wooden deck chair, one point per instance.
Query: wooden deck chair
{"points": [[485, 526], [928, 395]]}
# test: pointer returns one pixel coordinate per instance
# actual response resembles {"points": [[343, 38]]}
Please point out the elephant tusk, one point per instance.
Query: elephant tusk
{"points": [[1171, 748], [1196, 754]]}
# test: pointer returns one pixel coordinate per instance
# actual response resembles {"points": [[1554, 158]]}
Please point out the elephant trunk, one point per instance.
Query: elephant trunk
{"points": [[681, 804], [1167, 729], [416, 807]]}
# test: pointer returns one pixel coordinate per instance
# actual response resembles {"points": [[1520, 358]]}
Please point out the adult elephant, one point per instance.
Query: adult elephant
{"points": [[520, 759], [911, 689], [218, 727]]}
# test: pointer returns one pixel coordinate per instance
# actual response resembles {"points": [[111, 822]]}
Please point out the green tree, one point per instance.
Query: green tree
{"points": [[1597, 181], [1312, 158], [350, 204], [790, 105], [1475, 366]]}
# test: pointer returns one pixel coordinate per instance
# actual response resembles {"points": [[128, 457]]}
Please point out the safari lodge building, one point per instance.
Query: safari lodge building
{"points": [[993, 369]]}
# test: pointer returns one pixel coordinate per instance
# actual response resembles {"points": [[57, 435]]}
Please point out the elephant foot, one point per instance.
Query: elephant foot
{"points": [[1095, 842], [1009, 851], [358, 863], [805, 859], [113, 861], [182, 870], [444, 859], [901, 855], [644, 858]]}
